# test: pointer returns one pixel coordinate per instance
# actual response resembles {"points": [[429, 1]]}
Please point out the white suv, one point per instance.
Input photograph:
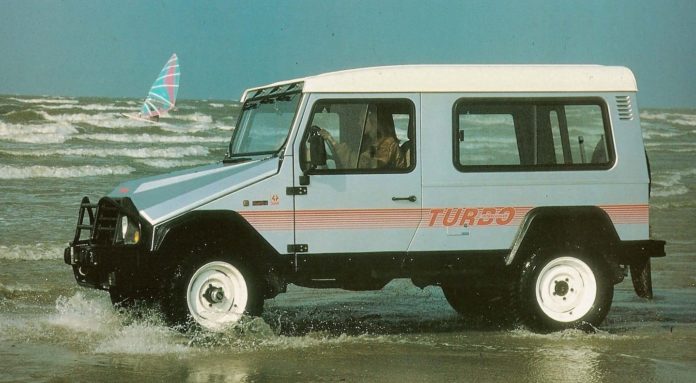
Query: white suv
{"points": [[515, 188]]}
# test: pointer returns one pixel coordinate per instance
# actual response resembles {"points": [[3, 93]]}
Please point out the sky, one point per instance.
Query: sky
{"points": [[116, 48]]}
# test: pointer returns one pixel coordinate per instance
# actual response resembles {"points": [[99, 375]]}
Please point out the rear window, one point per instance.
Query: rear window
{"points": [[512, 135]]}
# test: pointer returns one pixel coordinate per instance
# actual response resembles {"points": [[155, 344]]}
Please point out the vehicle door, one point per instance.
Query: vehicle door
{"points": [[366, 198]]}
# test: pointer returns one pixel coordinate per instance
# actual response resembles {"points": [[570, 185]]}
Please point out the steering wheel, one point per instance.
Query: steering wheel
{"points": [[330, 161]]}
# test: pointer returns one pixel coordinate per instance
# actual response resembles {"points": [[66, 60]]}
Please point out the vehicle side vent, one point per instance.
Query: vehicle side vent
{"points": [[623, 103]]}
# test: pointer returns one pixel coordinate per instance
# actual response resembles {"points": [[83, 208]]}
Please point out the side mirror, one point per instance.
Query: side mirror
{"points": [[317, 148]]}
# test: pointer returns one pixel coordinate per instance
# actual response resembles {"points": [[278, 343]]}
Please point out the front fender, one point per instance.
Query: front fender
{"points": [[224, 226]]}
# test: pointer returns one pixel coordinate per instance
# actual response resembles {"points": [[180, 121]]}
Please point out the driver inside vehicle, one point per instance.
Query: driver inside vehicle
{"points": [[379, 148]]}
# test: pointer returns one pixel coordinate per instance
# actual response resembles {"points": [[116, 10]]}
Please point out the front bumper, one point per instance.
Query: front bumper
{"points": [[104, 267]]}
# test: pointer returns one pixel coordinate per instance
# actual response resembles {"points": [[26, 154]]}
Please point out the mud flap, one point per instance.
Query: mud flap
{"points": [[642, 279]]}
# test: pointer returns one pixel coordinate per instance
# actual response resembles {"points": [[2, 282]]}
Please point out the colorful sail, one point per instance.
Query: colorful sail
{"points": [[162, 96]]}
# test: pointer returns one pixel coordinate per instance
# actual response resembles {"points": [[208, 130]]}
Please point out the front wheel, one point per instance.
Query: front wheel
{"points": [[215, 294], [563, 289]]}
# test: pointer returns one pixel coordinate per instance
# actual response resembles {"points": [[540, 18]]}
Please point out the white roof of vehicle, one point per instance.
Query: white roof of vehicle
{"points": [[473, 78]]}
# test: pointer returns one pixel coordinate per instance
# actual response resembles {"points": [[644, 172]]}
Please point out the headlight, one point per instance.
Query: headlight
{"points": [[129, 233]]}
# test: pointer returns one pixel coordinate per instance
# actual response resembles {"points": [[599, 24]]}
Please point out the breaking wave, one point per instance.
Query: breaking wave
{"points": [[88, 107], [102, 120], [57, 100], [670, 118], [670, 184], [36, 252], [40, 171], [172, 152], [151, 138], [36, 134], [165, 163], [195, 117]]}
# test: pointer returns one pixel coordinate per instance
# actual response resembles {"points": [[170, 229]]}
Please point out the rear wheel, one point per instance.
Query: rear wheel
{"points": [[563, 288]]}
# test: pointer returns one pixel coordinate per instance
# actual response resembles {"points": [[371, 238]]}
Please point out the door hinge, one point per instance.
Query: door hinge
{"points": [[296, 190], [298, 248]]}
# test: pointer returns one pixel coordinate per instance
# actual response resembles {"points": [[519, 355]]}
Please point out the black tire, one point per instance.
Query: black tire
{"points": [[487, 305], [218, 290], [561, 288]]}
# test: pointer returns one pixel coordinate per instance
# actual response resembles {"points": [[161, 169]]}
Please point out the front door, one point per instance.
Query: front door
{"points": [[367, 198]]}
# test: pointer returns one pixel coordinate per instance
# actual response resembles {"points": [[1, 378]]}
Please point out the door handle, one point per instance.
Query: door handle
{"points": [[411, 198]]}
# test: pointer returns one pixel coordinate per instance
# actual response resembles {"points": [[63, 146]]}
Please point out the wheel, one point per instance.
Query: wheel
{"points": [[213, 294], [560, 289], [476, 302]]}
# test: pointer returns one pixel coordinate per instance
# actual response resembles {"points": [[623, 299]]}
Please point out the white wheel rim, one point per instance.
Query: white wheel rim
{"points": [[217, 295], [566, 289]]}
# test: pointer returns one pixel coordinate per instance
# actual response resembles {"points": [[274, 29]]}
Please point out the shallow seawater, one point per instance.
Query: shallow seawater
{"points": [[55, 150]]}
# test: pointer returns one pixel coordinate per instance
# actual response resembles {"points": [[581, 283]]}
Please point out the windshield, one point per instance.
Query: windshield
{"points": [[265, 121]]}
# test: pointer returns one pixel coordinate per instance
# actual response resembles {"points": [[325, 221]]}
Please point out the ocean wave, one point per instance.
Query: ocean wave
{"points": [[165, 163], [669, 184], [216, 105], [36, 252], [102, 120], [22, 116], [671, 118], [48, 134], [39, 171], [171, 152], [89, 107], [195, 117], [193, 128], [151, 138], [57, 100], [17, 290]]}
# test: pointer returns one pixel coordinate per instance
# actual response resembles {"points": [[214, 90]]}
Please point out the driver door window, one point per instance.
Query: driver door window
{"points": [[363, 135]]}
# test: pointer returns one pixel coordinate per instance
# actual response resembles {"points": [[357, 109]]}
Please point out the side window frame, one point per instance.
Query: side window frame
{"points": [[318, 103], [555, 103]]}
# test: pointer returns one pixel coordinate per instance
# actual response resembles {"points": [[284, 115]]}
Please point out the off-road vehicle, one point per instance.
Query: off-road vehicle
{"points": [[515, 188]]}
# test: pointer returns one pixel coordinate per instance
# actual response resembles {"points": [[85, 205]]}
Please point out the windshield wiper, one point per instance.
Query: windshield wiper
{"points": [[235, 160]]}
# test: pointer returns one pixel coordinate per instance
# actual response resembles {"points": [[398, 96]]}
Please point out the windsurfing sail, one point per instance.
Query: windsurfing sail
{"points": [[162, 95]]}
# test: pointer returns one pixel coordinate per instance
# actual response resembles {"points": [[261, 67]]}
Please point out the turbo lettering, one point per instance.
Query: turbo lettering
{"points": [[471, 216]]}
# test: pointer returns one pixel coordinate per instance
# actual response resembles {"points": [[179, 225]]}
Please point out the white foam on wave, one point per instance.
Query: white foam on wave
{"points": [[102, 120], [40, 171], [35, 252], [669, 184], [216, 105], [90, 107], [167, 163], [14, 290], [57, 100], [37, 134], [152, 138], [194, 117], [670, 118], [171, 152]]}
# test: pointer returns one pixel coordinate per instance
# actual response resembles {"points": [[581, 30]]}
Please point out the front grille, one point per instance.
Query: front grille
{"points": [[105, 225]]}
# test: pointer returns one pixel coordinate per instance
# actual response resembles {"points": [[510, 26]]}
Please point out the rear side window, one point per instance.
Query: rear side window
{"points": [[515, 135]]}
